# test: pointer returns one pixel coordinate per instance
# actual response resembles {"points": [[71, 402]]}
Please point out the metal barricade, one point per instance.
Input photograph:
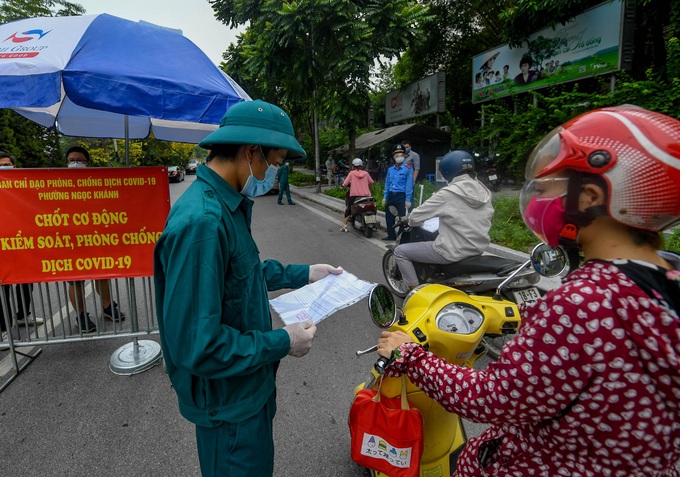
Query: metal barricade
{"points": [[56, 304]]}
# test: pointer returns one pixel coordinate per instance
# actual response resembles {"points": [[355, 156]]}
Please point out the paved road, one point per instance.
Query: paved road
{"points": [[68, 415]]}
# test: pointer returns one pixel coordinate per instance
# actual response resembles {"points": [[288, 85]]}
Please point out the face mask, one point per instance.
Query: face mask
{"points": [[7, 167], [545, 218], [76, 164], [255, 187], [408, 149], [399, 158]]}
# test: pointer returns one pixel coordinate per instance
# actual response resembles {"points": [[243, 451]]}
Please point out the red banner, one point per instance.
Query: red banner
{"points": [[80, 224]]}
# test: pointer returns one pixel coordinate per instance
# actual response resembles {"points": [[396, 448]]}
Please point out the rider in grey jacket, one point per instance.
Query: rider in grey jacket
{"points": [[464, 210]]}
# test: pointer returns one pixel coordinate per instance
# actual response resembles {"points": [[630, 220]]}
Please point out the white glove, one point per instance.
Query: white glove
{"points": [[408, 205], [301, 336], [384, 201], [319, 271]]}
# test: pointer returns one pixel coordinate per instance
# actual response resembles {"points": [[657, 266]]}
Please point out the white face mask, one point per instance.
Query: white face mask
{"points": [[76, 164], [399, 158], [9, 166]]}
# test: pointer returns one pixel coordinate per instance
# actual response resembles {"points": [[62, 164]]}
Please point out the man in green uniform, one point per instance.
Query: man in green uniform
{"points": [[211, 295]]}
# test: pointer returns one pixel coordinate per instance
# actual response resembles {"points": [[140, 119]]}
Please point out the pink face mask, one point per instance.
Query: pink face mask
{"points": [[545, 218]]}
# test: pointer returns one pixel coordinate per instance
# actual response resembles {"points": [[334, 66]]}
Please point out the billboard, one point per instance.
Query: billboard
{"points": [[425, 96], [80, 224], [587, 46]]}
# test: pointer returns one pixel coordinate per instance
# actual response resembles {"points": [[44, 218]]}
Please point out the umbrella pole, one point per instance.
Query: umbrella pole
{"points": [[127, 141], [140, 355]]}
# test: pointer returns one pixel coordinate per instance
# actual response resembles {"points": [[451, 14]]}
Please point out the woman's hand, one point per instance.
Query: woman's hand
{"points": [[389, 341]]}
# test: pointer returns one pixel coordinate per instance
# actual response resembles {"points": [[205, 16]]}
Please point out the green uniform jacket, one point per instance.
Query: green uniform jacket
{"points": [[213, 310]]}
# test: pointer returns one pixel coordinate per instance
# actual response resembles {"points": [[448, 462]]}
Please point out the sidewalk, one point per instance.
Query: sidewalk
{"points": [[338, 205]]}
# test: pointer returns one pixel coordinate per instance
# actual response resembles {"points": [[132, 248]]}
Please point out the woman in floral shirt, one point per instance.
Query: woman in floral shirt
{"points": [[591, 385]]}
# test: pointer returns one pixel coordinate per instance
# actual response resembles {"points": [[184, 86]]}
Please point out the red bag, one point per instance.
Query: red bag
{"points": [[386, 433]]}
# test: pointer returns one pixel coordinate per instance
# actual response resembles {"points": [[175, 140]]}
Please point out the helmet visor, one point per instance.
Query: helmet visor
{"points": [[544, 154]]}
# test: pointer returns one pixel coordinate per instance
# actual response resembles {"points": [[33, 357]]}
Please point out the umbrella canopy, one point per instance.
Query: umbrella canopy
{"points": [[89, 75]]}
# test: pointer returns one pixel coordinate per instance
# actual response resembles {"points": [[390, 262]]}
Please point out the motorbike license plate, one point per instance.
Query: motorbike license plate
{"points": [[493, 177], [527, 295], [369, 219]]}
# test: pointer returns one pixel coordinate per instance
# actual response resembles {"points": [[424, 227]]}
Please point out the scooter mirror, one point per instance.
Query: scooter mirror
{"points": [[549, 261], [382, 307]]}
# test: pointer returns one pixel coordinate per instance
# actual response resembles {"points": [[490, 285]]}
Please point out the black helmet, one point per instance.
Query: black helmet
{"points": [[455, 163], [398, 148]]}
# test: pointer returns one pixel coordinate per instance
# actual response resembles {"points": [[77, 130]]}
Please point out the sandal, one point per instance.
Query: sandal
{"points": [[343, 228]]}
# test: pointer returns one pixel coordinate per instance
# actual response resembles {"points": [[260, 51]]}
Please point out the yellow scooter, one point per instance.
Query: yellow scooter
{"points": [[451, 324]]}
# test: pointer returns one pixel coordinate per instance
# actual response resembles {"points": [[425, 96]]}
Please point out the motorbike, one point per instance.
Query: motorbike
{"points": [[451, 324], [489, 175], [485, 275], [363, 215]]}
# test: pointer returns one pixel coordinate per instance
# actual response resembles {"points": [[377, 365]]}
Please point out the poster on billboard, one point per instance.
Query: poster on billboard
{"points": [[80, 224], [587, 46], [425, 96]]}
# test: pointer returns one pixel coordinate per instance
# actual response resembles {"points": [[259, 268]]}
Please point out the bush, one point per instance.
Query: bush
{"points": [[301, 179]]}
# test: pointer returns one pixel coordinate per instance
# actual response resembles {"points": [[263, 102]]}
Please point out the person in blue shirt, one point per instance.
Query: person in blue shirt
{"points": [[398, 189], [220, 350]]}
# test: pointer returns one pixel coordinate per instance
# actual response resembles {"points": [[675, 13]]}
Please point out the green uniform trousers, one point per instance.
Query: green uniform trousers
{"points": [[239, 449]]}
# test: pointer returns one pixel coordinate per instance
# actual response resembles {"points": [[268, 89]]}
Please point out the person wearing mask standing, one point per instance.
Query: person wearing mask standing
{"points": [[412, 159], [79, 157], [220, 350], [24, 291], [398, 189]]}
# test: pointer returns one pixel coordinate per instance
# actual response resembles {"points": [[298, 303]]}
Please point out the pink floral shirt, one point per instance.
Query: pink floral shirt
{"points": [[589, 387]]}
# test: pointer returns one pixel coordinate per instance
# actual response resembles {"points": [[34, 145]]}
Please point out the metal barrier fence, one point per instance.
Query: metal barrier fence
{"points": [[59, 312]]}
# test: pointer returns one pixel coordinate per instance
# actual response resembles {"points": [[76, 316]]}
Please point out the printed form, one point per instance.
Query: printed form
{"points": [[321, 299]]}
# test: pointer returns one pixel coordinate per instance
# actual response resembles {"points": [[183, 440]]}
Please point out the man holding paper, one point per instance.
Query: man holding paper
{"points": [[219, 347]]}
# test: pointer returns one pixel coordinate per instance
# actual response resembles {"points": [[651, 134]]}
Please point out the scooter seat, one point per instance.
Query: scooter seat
{"points": [[482, 264]]}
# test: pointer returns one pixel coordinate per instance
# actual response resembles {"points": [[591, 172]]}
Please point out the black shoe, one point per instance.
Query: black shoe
{"points": [[85, 324], [291, 203], [389, 239], [112, 312], [280, 203]]}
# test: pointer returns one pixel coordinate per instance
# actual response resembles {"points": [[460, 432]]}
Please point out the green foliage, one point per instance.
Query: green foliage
{"points": [[301, 179], [507, 226], [672, 240], [316, 56]]}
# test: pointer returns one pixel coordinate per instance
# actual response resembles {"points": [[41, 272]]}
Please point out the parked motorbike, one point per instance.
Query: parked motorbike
{"points": [[363, 215], [452, 324], [486, 275], [489, 175]]}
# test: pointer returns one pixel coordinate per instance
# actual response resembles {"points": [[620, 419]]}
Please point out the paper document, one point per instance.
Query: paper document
{"points": [[431, 225], [321, 299]]}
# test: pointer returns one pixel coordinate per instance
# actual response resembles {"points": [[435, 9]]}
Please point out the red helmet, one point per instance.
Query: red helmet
{"points": [[636, 152]]}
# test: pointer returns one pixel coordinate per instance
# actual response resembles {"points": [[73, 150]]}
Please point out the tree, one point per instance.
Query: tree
{"points": [[315, 56]]}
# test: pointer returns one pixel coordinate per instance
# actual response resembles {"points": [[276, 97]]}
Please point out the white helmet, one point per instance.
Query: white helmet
{"points": [[357, 162]]}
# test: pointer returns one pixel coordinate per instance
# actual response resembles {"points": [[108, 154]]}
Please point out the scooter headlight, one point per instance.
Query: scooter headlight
{"points": [[410, 294], [460, 318]]}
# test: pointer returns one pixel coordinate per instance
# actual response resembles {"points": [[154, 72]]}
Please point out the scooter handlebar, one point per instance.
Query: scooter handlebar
{"points": [[380, 365]]}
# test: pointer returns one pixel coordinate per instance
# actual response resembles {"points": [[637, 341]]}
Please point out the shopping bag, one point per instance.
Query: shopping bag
{"points": [[386, 433]]}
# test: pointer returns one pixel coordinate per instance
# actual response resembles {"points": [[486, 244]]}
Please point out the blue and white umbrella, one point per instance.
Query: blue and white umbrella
{"points": [[107, 77]]}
